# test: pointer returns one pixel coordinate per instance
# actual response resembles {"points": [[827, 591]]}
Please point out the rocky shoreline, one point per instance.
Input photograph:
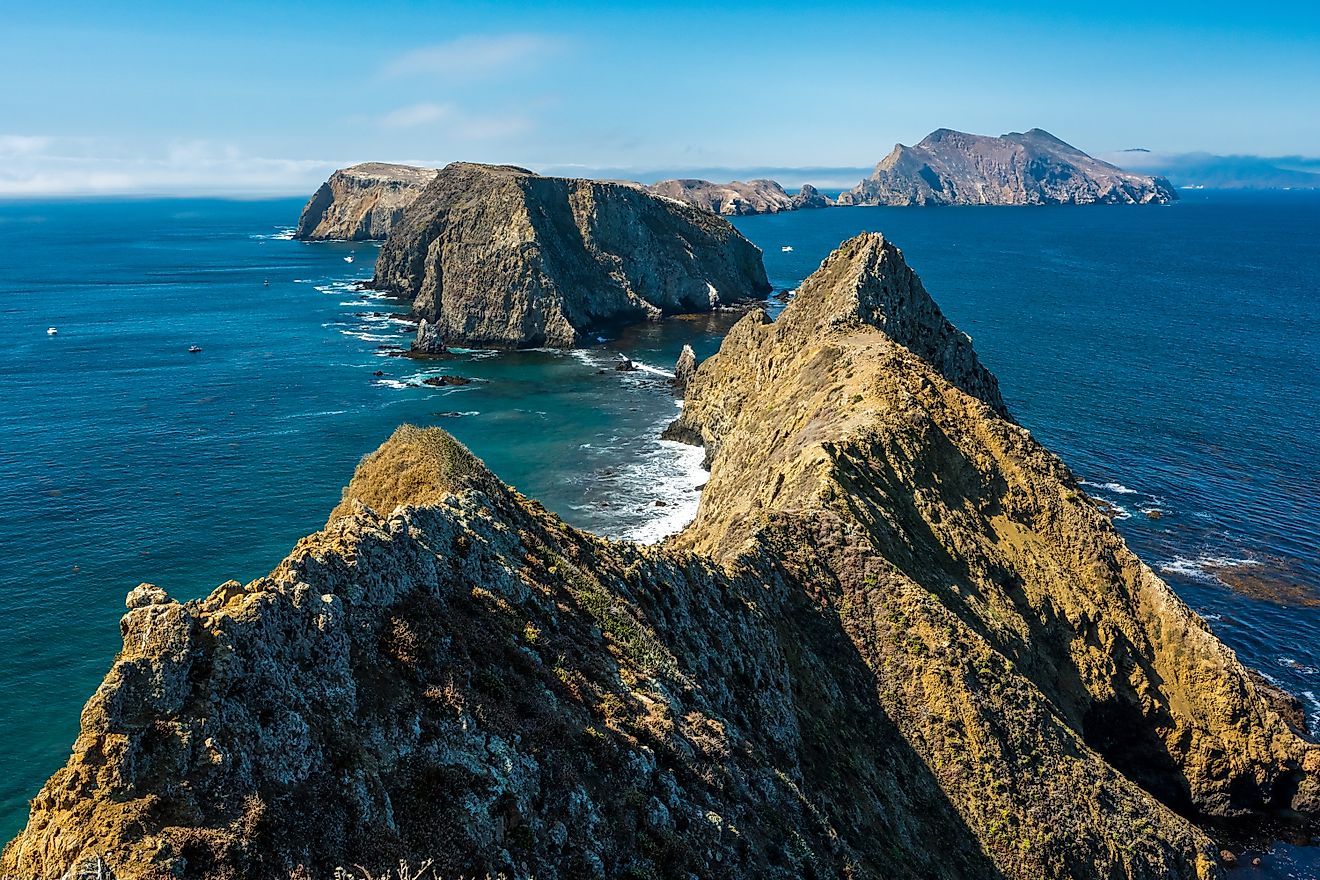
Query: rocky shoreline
{"points": [[897, 640]]}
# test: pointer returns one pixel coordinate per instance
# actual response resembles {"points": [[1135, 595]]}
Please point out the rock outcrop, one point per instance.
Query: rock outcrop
{"points": [[1032, 168], [810, 197], [361, 202], [738, 198], [684, 369], [897, 641], [500, 257]]}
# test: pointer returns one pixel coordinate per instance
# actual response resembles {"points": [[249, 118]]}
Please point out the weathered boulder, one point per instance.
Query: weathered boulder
{"points": [[897, 641], [361, 202], [498, 256], [1032, 168]]}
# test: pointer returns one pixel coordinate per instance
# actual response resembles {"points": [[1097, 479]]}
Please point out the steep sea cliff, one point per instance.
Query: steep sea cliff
{"points": [[929, 639], [496, 256]]}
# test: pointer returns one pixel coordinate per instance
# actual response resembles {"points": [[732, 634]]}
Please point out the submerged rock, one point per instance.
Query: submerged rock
{"points": [[1033, 168], [497, 256], [897, 641], [361, 202]]}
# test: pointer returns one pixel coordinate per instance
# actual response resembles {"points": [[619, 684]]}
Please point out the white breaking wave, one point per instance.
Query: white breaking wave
{"points": [[1202, 568], [285, 233], [672, 475], [648, 368], [1111, 487]]}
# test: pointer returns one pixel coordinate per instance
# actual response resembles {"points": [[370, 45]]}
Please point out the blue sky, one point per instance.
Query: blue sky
{"points": [[267, 97]]}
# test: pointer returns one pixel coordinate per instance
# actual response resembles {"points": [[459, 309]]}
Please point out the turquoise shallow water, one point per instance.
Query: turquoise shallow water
{"points": [[1170, 355]]}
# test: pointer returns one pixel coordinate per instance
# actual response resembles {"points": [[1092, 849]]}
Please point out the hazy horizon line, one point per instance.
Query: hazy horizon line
{"points": [[1192, 170]]}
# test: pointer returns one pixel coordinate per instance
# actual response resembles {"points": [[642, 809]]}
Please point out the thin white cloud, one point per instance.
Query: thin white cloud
{"points": [[13, 145], [456, 123], [47, 166], [415, 115], [475, 56]]}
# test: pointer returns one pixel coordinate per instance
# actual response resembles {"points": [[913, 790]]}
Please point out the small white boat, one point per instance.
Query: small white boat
{"points": [[193, 349], [51, 331], [788, 248], [348, 259]]}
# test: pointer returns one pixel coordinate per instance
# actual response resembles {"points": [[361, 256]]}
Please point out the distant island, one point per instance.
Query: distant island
{"points": [[737, 198], [364, 202], [1033, 168]]}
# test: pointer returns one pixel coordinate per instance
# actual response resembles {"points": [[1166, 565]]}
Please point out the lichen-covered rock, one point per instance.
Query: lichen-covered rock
{"points": [[498, 256], [1032, 168], [361, 202], [897, 641]]}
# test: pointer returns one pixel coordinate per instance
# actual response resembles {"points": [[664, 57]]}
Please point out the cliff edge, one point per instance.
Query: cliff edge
{"points": [[497, 256], [361, 202], [897, 641]]}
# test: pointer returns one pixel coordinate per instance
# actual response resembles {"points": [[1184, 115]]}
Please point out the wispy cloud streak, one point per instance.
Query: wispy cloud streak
{"points": [[473, 57]]}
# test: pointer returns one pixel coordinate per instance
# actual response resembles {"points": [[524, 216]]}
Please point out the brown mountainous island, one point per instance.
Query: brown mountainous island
{"points": [[738, 198], [362, 202], [1033, 168], [497, 256], [897, 641]]}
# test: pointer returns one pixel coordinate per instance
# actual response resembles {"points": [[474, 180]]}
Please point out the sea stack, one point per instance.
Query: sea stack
{"points": [[684, 368], [897, 641], [362, 202], [497, 256], [1032, 168]]}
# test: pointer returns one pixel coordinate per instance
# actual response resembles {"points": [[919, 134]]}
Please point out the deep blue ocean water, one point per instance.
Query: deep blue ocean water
{"points": [[1170, 355]]}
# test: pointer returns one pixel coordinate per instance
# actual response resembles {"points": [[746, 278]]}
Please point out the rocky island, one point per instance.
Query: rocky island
{"points": [[497, 256], [897, 641], [362, 202], [738, 198], [1032, 168]]}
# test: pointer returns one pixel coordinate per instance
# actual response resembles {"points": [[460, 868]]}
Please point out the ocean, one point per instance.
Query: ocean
{"points": [[1170, 355]]}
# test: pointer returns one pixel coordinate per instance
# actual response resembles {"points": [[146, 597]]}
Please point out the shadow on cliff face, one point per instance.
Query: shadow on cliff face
{"points": [[1038, 638]]}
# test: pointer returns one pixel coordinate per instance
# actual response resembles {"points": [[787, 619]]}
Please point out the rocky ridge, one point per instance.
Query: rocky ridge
{"points": [[897, 640], [362, 202], [497, 256], [738, 198], [1032, 168]]}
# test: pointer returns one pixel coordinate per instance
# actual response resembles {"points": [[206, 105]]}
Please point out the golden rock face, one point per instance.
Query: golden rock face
{"points": [[898, 640]]}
